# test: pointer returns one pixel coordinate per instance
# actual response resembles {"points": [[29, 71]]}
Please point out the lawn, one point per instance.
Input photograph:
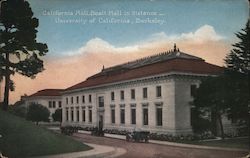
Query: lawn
{"points": [[21, 138], [240, 143]]}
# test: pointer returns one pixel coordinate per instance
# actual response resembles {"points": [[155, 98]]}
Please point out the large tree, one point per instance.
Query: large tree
{"points": [[238, 66], [20, 51], [37, 113], [211, 98], [239, 57], [228, 94]]}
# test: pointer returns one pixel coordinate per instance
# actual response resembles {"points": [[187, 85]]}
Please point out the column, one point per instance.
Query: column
{"points": [[63, 114], [75, 115]]}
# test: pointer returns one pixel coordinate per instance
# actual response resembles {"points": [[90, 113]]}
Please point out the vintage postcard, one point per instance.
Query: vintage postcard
{"points": [[126, 78]]}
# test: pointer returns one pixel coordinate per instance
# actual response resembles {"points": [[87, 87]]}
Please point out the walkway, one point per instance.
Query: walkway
{"points": [[150, 150]]}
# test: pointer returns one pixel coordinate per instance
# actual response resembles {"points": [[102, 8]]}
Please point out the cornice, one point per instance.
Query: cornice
{"points": [[156, 79]]}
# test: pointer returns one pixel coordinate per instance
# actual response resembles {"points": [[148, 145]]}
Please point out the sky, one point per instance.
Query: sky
{"points": [[82, 35]]}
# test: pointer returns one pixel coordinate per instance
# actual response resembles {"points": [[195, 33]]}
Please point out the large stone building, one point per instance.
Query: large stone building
{"points": [[50, 98], [152, 93]]}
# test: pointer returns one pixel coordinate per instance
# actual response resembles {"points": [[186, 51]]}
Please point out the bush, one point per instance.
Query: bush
{"points": [[69, 130], [180, 138], [57, 116], [20, 111], [37, 113]]}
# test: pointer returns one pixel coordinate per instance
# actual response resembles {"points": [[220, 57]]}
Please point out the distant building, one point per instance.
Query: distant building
{"points": [[50, 98], [152, 93]]}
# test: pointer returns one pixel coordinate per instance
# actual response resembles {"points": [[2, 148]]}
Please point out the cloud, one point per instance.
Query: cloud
{"points": [[98, 45], [203, 34], [79, 64]]}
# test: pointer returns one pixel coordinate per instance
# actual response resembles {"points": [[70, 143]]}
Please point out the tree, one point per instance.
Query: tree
{"points": [[239, 58], [19, 50], [19, 109], [57, 116], [37, 112], [238, 65], [212, 98]]}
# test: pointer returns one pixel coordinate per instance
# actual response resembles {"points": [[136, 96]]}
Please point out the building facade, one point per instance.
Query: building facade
{"points": [[151, 93], [50, 98]]}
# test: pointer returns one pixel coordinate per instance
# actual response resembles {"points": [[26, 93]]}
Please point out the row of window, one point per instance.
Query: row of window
{"points": [[52, 104], [145, 116], [77, 99], [122, 95], [71, 116], [132, 93], [113, 120]]}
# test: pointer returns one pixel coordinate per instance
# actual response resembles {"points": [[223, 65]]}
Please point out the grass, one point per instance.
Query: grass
{"points": [[21, 138], [240, 143]]}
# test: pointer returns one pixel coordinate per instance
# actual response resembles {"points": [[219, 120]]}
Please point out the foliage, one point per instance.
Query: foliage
{"points": [[212, 98], [57, 116], [37, 113], [69, 130], [238, 97], [21, 138], [239, 58], [19, 50], [229, 93], [238, 65], [20, 111], [200, 124]]}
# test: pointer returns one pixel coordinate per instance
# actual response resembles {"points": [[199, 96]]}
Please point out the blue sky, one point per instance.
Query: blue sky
{"points": [[181, 16]]}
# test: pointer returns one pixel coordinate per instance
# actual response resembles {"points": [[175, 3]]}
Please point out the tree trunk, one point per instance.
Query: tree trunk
{"points": [[7, 85], [221, 126], [214, 123], [217, 126], [37, 123]]}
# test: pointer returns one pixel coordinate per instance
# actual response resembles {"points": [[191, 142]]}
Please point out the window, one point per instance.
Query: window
{"points": [[90, 115], [77, 115], [122, 115], [54, 104], [112, 115], [112, 96], [67, 100], [133, 116], [77, 100], [72, 100], [145, 93], [159, 116], [83, 99], [101, 101], [90, 98], [72, 114], [193, 90], [67, 114], [158, 91], [83, 115], [145, 116], [50, 104], [59, 104], [132, 93], [122, 95]]}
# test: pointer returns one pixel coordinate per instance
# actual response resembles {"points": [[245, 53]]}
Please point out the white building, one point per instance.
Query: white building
{"points": [[151, 93], [50, 98]]}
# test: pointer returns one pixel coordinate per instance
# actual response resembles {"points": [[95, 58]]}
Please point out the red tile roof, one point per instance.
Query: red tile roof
{"points": [[179, 62], [47, 92]]}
